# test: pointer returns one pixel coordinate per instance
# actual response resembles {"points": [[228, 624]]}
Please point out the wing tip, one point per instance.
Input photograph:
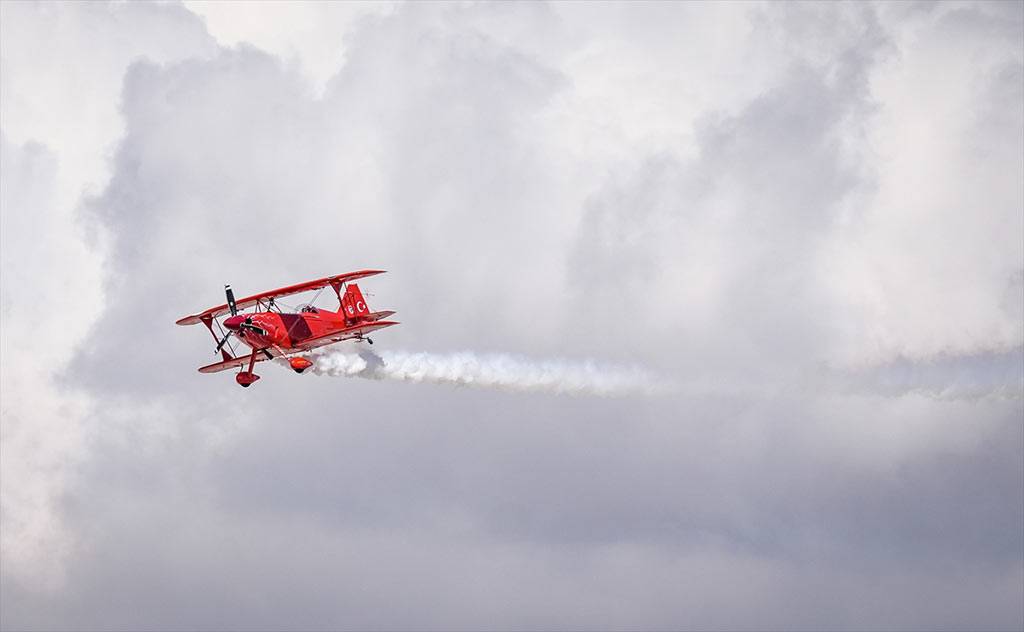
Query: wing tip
{"points": [[359, 274]]}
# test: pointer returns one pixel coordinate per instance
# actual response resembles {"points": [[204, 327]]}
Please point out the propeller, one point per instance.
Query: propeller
{"points": [[231, 299], [235, 324], [234, 311], [247, 324], [220, 344]]}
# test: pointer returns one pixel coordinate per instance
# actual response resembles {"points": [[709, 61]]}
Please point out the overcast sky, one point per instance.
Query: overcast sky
{"points": [[808, 217]]}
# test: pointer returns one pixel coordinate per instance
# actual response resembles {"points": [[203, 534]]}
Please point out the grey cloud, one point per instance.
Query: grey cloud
{"points": [[750, 213], [530, 511], [296, 189], [764, 495]]}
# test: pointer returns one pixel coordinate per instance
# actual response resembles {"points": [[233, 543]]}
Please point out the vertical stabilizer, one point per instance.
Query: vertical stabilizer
{"points": [[353, 305]]}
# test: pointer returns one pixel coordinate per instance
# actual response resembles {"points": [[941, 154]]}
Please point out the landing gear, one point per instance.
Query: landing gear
{"points": [[246, 378], [369, 340]]}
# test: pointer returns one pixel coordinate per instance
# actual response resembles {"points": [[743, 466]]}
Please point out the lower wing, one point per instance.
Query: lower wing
{"points": [[270, 353], [261, 355]]}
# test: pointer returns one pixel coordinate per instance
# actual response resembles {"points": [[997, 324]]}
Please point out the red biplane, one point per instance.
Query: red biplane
{"points": [[271, 332]]}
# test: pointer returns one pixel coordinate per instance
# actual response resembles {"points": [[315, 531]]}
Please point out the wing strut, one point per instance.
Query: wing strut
{"points": [[246, 378], [208, 321]]}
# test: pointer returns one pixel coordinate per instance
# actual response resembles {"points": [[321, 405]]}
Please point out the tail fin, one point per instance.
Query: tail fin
{"points": [[353, 305]]}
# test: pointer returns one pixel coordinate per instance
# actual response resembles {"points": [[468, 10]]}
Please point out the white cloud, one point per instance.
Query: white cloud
{"points": [[762, 201], [309, 34], [62, 66], [932, 262]]}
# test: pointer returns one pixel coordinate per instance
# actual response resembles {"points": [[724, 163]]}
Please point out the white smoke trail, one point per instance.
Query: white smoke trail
{"points": [[998, 375], [498, 371]]}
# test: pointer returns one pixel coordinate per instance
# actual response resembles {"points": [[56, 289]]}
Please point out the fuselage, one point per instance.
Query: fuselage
{"points": [[261, 330]]}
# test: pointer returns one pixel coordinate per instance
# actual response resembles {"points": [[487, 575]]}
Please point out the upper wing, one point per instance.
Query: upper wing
{"points": [[249, 301]]}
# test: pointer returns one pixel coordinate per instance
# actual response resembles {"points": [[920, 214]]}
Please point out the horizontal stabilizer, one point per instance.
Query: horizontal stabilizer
{"points": [[357, 331]]}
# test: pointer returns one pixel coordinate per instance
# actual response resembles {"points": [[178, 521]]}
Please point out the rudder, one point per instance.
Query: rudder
{"points": [[353, 305]]}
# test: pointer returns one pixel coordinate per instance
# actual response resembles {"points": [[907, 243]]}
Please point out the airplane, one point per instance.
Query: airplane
{"points": [[271, 332]]}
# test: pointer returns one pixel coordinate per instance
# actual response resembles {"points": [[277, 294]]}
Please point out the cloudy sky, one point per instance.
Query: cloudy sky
{"points": [[808, 217]]}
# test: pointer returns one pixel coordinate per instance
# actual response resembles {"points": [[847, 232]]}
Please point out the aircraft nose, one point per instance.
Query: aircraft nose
{"points": [[234, 322]]}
